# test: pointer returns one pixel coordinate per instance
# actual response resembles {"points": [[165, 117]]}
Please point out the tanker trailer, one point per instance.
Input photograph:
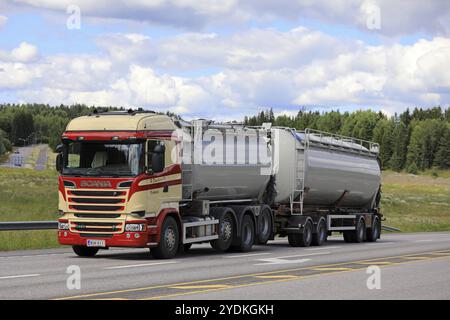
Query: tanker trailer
{"points": [[324, 183]]}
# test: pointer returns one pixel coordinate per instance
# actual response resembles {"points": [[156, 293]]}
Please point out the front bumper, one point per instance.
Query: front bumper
{"points": [[126, 239]]}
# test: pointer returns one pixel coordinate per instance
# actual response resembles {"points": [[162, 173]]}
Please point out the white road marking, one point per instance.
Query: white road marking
{"points": [[378, 243], [246, 255], [140, 265], [283, 260], [20, 276], [324, 248]]}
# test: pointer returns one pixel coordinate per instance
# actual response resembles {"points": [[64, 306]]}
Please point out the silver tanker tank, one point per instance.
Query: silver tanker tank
{"points": [[224, 162], [332, 170]]}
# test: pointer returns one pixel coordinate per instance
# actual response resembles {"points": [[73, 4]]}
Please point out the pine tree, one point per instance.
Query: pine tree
{"points": [[442, 159]]}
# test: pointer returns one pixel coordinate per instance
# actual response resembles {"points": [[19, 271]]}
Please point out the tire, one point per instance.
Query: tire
{"points": [[303, 239], [357, 235], [321, 235], [374, 233], [264, 226], [83, 251], [226, 232], [168, 243], [247, 235]]}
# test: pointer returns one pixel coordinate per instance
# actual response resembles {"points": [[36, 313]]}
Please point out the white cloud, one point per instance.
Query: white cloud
{"points": [[397, 17], [257, 68]]}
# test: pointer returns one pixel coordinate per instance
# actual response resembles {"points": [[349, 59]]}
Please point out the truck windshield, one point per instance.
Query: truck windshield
{"points": [[106, 159]]}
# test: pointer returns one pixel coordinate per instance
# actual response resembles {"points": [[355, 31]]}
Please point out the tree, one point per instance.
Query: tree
{"points": [[442, 159], [382, 134]]}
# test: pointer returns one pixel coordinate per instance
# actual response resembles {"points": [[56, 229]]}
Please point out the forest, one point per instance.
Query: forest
{"points": [[414, 140]]}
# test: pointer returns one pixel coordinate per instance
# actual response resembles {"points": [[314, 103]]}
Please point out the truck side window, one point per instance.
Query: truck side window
{"points": [[151, 145]]}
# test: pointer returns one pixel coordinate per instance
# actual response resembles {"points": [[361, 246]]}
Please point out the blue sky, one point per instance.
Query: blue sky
{"points": [[225, 59]]}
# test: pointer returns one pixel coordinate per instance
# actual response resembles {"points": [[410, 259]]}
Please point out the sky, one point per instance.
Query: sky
{"points": [[226, 59]]}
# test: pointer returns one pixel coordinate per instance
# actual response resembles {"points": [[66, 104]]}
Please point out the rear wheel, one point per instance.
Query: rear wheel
{"points": [[84, 251], [303, 239], [356, 235], [374, 233], [226, 231], [168, 243], [321, 235], [247, 235], [264, 226]]}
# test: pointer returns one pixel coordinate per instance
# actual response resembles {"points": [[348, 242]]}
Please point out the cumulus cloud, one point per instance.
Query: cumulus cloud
{"points": [[396, 17], [25, 52], [258, 68]]}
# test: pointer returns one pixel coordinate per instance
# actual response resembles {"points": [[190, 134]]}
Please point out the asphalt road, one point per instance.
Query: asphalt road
{"points": [[412, 266], [23, 154], [41, 162]]}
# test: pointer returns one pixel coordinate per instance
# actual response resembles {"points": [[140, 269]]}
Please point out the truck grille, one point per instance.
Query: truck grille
{"points": [[97, 212], [101, 201]]}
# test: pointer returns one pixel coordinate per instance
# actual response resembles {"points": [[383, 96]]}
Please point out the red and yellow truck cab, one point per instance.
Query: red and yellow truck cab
{"points": [[119, 179]]}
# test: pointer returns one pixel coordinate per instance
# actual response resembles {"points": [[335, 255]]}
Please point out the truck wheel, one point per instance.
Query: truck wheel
{"points": [[303, 239], [374, 233], [264, 226], [226, 231], [320, 236], [247, 235], [168, 243], [356, 235], [84, 251]]}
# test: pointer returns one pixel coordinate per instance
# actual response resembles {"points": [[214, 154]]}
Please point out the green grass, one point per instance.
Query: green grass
{"points": [[416, 203], [27, 195]]}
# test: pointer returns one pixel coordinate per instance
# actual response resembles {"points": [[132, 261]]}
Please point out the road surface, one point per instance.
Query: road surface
{"points": [[24, 153], [412, 266]]}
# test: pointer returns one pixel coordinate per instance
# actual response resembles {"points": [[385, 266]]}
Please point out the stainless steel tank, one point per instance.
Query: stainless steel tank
{"points": [[332, 171], [223, 162]]}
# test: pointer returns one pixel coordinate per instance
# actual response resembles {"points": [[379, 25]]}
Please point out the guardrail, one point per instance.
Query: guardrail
{"points": [[28, 225]]}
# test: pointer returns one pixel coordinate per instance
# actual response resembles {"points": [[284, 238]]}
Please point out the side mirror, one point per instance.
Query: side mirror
{"points": [[59, 162], [158, 158]]}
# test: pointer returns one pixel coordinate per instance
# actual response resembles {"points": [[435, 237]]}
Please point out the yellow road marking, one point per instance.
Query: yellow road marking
{"points": [[377, 263], [287, 276], [368, 261], [205, 286], [417, 258]]}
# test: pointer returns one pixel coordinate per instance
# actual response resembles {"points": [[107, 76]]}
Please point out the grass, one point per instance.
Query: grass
{"points": [[27, 195], [410, 202], [415, 203]]}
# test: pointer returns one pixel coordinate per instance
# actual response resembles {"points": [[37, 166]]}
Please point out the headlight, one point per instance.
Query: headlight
{"points": [[63, 225], [133, 227]]}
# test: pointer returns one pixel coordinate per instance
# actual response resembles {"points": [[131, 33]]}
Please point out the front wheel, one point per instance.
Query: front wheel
{"points": [[84, 251], [168, 243]]}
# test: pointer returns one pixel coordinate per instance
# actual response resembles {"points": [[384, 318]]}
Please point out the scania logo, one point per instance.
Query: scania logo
{"points": [[95, 184]]}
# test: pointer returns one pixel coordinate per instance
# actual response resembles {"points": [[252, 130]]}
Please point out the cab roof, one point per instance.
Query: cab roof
{"points": [[121, 121]]}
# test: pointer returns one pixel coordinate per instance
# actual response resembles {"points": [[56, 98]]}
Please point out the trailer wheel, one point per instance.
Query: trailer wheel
{"points": [[84, 251], [168, 243], [374, 233], [356, 235], [264, 226], [247, 235], [320, 236], [226, 232], [303, 239]]}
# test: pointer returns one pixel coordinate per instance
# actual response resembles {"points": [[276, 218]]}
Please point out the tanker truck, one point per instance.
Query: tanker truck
{"points": [[139, 179]]}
